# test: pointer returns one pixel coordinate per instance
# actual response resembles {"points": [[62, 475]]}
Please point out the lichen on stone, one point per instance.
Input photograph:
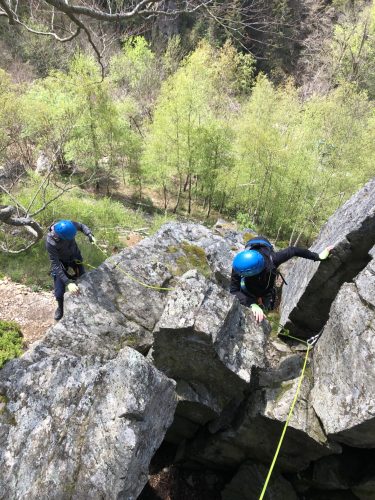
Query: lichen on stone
{"points": [[193, 257]]}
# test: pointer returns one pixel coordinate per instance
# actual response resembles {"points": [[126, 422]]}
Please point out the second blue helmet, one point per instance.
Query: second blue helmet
{"points": [[248, 263], [65, 229]]}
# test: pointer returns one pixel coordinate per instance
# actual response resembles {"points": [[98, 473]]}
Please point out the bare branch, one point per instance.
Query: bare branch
{"points": [[9, 215], [18, 204], [7, 11], [50, 33]]}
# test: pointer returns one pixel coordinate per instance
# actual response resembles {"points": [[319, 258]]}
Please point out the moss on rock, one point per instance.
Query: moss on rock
{"points": [[10, 341], [192, 257]]}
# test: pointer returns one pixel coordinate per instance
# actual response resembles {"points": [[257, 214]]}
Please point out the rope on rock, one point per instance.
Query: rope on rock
{"points": [[309, 344], [153, 287]]}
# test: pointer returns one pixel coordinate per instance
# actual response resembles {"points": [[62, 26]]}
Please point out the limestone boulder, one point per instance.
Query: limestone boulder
{"points": [[248, 483], [312, 286], [82, 413], [43, 164], [210, 344], [77, 427], [344, 390], [255, 429], [115, 308]]}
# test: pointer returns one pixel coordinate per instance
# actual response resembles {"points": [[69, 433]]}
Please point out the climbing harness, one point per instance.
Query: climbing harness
{"points": [[310, 343], [153, 287]]}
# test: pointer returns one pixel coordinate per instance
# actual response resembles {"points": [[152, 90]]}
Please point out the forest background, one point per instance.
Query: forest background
{"points": [[267, 121]]}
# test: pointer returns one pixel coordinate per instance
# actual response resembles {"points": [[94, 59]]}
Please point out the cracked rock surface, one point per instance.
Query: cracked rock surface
{"points": [[77, 427], [344, 391], [312, 286]]}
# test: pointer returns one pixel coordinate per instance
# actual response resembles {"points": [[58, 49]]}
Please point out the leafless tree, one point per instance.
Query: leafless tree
{"points": [[64, 20]]}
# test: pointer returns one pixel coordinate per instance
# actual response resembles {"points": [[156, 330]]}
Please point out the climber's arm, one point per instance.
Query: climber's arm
{"points": [[290, 252]]}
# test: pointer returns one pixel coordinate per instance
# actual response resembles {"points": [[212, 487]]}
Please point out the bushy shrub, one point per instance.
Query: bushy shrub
{"points": [[10, 341]]}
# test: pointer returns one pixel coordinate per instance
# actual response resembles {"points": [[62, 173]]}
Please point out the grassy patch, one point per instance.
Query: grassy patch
{"points": [[194, 257], [10, 341], [30, 268], [159, 220], [274, 320]]}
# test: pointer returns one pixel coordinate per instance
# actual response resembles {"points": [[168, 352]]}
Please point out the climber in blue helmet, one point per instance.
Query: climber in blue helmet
{"points": [[64, 255], [254, 272]]}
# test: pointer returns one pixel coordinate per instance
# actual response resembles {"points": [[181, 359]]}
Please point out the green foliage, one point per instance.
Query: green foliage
{"points": [[353, 46], [99, 132], [190, 137], [297, 163], [202, 130], [11, 128], [10, 341], [159, 220], [31, 268], [134, 68], [73, 117]]}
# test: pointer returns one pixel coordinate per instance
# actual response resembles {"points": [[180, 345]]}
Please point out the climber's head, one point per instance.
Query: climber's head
{"points": [[248, 263], [65, 229]]}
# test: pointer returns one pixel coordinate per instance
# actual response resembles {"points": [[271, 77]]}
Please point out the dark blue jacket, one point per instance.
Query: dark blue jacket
{"points": [[260, 284], [63, 252]]}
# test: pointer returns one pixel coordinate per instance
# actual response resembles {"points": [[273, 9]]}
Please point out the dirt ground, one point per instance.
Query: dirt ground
{"points": [[33, 311]]}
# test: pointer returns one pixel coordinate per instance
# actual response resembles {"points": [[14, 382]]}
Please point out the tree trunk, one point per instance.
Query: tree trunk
{"points": [[187, 181], [189, 193], [222, 203], [178, 195], [165, 196]]}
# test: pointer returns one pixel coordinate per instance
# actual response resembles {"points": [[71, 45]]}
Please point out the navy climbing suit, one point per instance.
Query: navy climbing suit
{"points": [[262, 286], [64, 255]]}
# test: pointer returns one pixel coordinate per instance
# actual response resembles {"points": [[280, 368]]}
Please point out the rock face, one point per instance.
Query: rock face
{"points": [[210, 345], [205, 337], [82, 413], [344, 397], [248, 483], [312, 286], [43, 164], [254, 431], [78, 427]]}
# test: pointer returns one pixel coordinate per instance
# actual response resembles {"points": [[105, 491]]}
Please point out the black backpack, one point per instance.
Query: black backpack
{"points": [[266, 249]]}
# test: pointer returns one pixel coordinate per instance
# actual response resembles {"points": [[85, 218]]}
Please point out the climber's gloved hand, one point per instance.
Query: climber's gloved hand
{"points": [[258, 312], [73, 288], [326, 253], [92, 239]]}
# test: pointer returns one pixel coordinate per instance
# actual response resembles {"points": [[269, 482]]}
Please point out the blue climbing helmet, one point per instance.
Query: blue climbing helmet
{"points": [[249, 263], [65, 229]]}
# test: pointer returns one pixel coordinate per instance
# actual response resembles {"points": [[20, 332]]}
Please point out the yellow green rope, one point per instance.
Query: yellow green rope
{"points": [[153, 287], [288, 418], [285, 334]]}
